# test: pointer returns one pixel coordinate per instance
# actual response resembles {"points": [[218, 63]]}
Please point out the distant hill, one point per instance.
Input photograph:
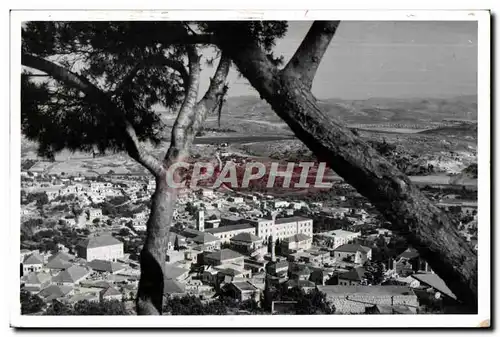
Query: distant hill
{"points": [[369, 111], [459, 130], [468, 175], [250, 115]]}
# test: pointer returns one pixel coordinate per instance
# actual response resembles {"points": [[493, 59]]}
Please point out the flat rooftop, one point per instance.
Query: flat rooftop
{"points": [[229, 228], [366, 290], [243, 285], [291, 219], [338, 233]]}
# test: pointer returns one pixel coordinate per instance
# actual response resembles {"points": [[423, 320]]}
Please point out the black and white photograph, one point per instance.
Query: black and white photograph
{"points": [[308, 169]]}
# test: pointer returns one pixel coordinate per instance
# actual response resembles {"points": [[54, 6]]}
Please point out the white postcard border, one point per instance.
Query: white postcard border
{"points": [[484, 285]]}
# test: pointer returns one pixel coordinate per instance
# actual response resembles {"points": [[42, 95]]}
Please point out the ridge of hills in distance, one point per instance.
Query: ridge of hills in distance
{"points": [[413, 121]]}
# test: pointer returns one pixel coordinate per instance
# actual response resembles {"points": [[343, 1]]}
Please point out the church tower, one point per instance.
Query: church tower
{"points": [[200, 221]]}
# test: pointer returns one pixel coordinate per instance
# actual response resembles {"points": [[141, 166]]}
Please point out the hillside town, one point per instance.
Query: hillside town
{"points": [[81, 239]]}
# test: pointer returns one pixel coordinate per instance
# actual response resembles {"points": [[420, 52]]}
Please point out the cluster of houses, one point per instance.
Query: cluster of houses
{"points": [[88, 191], [236, 254], [98, 272]]}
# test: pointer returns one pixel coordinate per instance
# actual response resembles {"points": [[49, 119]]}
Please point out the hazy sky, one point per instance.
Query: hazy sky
{"points": [[386, 59]]}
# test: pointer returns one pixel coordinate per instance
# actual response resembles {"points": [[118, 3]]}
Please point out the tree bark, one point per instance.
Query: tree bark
{"points": [[190, 118], [390, 191], [188, 122], [151, 285], [306, 60]]}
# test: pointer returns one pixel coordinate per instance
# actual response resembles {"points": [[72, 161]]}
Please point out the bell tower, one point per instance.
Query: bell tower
{"points": [[200, 221]]}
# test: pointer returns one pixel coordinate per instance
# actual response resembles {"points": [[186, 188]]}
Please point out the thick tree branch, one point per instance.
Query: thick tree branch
{"points": [[213, 95], [306, 60], [153, 61], [150, 294], [95, 96], [183, 131], [218, 81], [414, 216]]}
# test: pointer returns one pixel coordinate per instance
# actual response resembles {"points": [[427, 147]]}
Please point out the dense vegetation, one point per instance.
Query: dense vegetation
{"points": [[307, 303], [108, 308], [30, 304], [40, 198], [472, 170]]}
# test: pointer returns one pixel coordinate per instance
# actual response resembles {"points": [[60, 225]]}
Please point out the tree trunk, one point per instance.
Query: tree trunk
{"points": [[390, 191], [189, 120], [150, 293]]}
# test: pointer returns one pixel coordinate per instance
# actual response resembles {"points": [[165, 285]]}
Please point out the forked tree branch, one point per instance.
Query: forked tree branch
{"points": [[95, 95], [414, 216], [190, 117], [306, 60]]}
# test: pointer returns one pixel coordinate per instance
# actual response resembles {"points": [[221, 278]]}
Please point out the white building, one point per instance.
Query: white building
{"points": [[77, 189], [94, 213], [225, 233], [296, 242], [207, 193], [151, 185], [298, 205], [246, 242], [32, 263], [280, 204], [283, 227], [355, 253], [340, 237], [104, 247]]}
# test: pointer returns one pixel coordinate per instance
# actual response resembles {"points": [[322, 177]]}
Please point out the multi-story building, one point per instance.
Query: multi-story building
{"points": [[224, 257], [225, 233], [409, 262], [103, 247], [207, 241], [200, 221], [246, 241], [340, 237], [244, 290], [354, 253], [296, 242], [283, 227]]}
